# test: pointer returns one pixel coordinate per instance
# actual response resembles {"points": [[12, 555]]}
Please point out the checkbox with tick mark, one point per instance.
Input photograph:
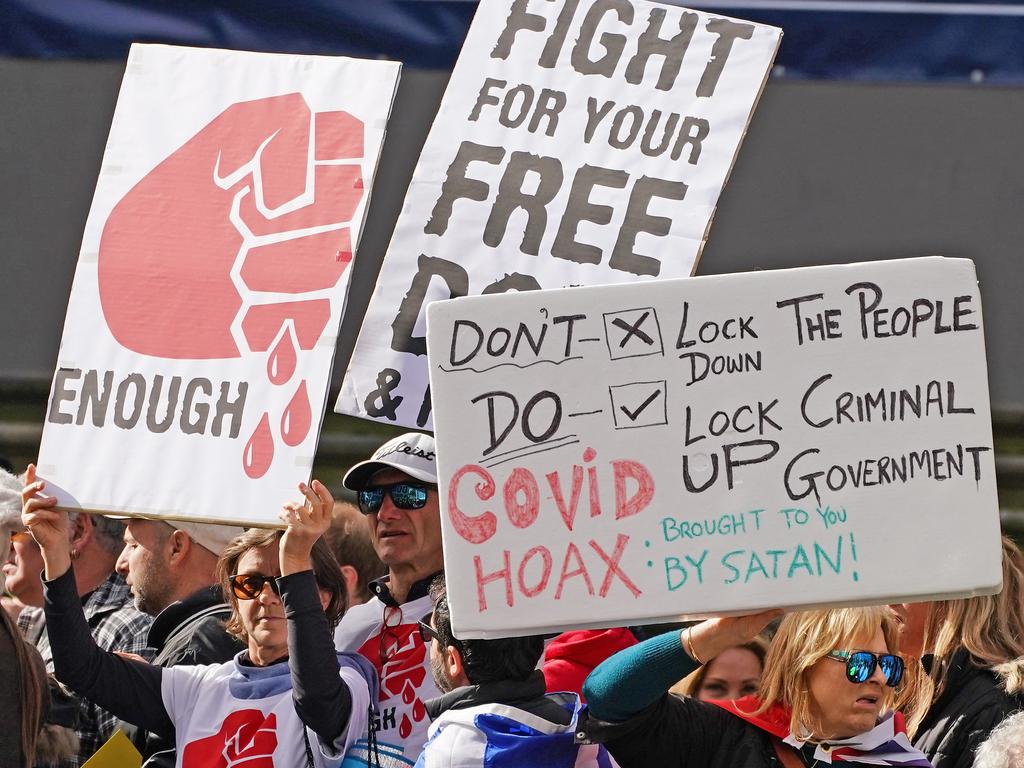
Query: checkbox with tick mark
{"points": [[639, 404]]}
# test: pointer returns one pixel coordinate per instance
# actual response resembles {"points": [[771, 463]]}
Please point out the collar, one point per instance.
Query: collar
{"points": [[171, 617], [379, 588], [885, 744], [109, 596], [501, 692]]}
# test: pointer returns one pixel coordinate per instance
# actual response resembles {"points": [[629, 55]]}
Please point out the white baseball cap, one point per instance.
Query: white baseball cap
{"points": [[412, 453], [210, 536]]}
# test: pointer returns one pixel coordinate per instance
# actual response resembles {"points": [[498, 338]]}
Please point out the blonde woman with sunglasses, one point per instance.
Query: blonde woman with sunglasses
{"points": [[275, 703], [830, 682]]}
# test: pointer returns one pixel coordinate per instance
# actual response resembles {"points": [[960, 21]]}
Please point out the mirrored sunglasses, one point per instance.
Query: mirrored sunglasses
{"points": [[861, 665], [403, 496], [248, 586]]}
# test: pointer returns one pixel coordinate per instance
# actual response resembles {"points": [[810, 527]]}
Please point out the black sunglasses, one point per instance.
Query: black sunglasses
{"points": [[861, 665], [248, 586], [403, 495], [427, 632]]}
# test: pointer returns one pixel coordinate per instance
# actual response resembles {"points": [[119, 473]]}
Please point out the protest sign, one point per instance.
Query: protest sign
{"points": [[579, 142], [628, 454], [193, 371]]}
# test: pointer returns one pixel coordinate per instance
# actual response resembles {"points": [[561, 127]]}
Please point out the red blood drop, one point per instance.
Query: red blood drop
{"points": [[418, 711], [281, 363], [408, 693], [259, 451], [297, 417], [406, 727]]}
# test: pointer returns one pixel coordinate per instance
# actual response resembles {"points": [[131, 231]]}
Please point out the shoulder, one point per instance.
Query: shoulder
{"points": [[358, 623]]}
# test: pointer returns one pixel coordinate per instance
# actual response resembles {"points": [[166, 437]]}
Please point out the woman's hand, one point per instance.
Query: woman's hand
{"points": [[49, 526], [307, 522], [711, 637]]}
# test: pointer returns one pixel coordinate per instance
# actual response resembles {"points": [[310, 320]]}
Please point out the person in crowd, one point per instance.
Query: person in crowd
{"points": [[24, 587], [571, 656], [94, 543], [732, 674], [171, 570], [1004, 747], [974, 652], [39, 714], [494, 710], [826, 695], [350, 542], [397, 492], [273, 704]]}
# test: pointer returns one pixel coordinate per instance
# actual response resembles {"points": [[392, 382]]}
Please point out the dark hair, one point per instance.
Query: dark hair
{"points": [[349, 539], [486, 661], [325, 569]]}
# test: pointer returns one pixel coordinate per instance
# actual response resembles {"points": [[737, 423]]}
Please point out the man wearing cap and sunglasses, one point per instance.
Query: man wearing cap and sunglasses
{"points": [[397, 493]]}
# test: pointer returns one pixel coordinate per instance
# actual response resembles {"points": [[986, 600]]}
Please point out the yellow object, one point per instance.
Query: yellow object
{"points": [[118, 752]]}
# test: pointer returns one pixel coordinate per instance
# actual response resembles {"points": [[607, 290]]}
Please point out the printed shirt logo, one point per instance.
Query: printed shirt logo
{"points": [[247, 739], [401, 676], [231, 245]]}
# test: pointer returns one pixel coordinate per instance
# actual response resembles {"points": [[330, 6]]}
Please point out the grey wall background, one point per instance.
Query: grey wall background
{"points": [[829, 173]]}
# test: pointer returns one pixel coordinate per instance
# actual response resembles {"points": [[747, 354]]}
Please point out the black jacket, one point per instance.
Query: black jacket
{"points": [[972, 703], [190, 631], [676, 732], [527, 695]]}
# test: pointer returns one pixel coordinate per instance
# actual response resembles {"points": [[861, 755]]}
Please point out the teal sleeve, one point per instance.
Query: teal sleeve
{"points": [[633, 679]]}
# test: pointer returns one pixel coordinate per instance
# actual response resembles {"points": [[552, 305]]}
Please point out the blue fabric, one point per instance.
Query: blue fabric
{"points": [[843, 39], [249, 682], [510, 744]]}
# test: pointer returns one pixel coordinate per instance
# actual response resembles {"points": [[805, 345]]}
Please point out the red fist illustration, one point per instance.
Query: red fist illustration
{"points": [[231, 245], [245, 740]]}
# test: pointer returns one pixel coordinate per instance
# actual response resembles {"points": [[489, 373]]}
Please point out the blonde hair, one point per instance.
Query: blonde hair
{"points": [[804, 639], [692, 683], [989, 627]]}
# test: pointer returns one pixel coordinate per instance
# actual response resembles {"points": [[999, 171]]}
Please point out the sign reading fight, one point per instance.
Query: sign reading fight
{"points": [[200, 332], [579, 142], [627, 454]]}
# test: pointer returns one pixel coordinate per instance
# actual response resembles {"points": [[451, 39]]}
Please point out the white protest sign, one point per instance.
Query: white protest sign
{"points": [[193, 371], [627, 454], [579, 142]]}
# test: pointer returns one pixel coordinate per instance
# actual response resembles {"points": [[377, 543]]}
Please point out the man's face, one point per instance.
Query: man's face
{"points": [[409, 537], [144, 562]]}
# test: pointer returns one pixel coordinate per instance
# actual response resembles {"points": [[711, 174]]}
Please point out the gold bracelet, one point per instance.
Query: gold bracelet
{"points": [[689, 646]]}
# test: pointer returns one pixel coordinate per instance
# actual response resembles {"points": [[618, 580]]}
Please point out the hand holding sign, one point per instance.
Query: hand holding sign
{"points": [[48, 525]]}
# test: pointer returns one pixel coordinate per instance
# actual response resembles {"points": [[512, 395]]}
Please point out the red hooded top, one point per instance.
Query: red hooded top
{"points": [[571, 656]]}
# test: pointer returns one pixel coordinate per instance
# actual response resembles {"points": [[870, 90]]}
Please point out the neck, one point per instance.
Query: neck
{"points": [[91, 569], [403, 576], [264, 656]]}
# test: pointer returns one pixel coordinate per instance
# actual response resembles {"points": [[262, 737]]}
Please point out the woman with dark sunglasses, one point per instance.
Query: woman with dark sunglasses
{"points": [[288, 700], [830, 683]]}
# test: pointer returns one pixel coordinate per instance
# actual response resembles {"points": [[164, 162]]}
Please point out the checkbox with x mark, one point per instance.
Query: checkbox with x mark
{"points": [[639, 404]]}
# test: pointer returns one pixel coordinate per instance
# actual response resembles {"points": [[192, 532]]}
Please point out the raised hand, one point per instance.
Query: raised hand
{"points": [[48, 525], [709, 638], [306, 522]]}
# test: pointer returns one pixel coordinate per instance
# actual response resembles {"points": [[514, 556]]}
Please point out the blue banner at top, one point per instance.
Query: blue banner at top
{"points": [[908, 40]]}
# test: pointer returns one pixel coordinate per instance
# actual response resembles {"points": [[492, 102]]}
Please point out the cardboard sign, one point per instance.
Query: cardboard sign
{"points": [[200, 332], [627, 454], [579, 142]]}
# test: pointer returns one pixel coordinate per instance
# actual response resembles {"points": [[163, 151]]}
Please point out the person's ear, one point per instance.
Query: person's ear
{"points": [[453, 663], [325, 598], [82, 532], [351, 577], [177, 547]]}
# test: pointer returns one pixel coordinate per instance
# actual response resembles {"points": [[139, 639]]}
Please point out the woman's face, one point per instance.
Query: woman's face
{"points": [[914, 618], [842, 708], [263, 616], [732, 674]]}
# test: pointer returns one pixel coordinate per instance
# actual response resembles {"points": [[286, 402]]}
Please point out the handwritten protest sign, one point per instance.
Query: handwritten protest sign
{"points": [[579, 142], [626, 454], [200, 332]]}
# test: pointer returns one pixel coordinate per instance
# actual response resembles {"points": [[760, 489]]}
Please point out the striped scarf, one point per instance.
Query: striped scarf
{"points": [[885, 744]]}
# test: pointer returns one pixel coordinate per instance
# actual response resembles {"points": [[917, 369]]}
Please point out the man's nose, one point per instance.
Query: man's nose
{"points": [[267, 595], [121, 566]]}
